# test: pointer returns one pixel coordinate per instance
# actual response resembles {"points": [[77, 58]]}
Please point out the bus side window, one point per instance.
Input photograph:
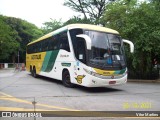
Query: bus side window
{"points": [[37, 48], [34, 48], [45, 45], [56, 44], [51, 44], [40, 46], [64, 44]]}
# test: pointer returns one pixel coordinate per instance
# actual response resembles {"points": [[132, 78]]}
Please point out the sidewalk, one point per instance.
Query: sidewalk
{"points": [[6, 72], [144, 81]]}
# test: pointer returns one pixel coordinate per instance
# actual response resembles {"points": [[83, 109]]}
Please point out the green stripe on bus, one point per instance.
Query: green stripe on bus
{"points": [[49, 60], [122, 71], [46, 60], [119, 71]]}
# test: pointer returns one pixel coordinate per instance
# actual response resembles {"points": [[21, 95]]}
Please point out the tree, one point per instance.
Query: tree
{"points": [[75, 19], [139, 23], [8, 43], [52, 25], [157, 4], [16, 34], [91, 9], [26, 32]]}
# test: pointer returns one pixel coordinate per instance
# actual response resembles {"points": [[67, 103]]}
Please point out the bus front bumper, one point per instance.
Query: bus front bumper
{"points": [[92, 81]]}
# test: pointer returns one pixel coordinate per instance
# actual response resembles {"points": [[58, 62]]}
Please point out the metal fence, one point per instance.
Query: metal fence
{"points": [[12, 65]]}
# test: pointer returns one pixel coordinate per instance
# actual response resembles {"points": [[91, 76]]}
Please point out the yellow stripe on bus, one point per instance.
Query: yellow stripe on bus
{"points": [[36, 60]]}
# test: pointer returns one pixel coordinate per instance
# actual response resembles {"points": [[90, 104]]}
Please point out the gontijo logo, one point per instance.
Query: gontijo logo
{"points": [[36, 57]]}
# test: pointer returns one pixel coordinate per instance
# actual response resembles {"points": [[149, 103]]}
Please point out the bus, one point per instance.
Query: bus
{"points": [[82, 54]]}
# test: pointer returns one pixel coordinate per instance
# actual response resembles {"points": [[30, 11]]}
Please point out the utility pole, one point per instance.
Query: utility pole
{"points": [[18, 58]]}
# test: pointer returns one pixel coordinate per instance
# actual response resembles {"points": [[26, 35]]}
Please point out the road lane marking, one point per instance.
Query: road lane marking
{"points": [[57, 107], [11, 98], [21, 109], [6, 95], [15, 100]]}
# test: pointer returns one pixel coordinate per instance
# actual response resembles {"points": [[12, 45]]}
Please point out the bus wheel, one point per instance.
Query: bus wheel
{"points": [[31, 71], [34, 72], [66, 79]]}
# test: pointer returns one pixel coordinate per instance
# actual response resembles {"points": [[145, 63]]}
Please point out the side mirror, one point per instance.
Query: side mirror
{"points": [[130, 44], [87, 39]]}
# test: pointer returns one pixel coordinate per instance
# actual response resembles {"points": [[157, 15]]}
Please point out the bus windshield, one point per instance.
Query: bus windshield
{"points": [[107, 49]]}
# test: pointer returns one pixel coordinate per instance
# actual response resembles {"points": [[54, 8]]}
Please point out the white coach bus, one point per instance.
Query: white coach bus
{"points": [[82, 54]]}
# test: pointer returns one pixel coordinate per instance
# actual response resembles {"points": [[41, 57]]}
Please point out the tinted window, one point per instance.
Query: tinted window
{"points": [[59, 41], [73, 34], [64, 44]]}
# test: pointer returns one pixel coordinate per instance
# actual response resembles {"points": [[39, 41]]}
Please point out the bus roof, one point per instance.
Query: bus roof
{"points": [[73, 26], [92, 27]]}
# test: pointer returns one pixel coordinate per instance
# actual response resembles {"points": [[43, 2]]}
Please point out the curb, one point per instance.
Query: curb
{"points": [[144, 81]]}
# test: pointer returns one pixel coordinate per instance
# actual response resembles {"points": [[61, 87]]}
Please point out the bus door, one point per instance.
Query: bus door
{"points": [[81, 59]]}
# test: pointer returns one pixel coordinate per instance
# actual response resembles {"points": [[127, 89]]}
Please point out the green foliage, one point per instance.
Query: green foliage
{"points": [[78, 20], [139, 23], [8, 43], [18, 33], [54, 24], [91, 9], [51, 26]]}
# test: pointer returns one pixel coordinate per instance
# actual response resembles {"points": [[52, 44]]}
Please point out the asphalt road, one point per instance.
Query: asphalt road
{"points": [[19, 91]]}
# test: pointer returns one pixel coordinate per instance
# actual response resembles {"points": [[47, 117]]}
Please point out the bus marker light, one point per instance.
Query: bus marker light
{"points": [[112, 82]]}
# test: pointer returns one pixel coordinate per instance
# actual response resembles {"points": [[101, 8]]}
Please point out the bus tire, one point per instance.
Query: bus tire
{"points": [[34, 72], [66, 79], [31, 71]]}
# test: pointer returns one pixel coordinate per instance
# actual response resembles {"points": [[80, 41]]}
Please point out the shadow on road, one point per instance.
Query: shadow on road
{"points": [[98, 89], [107, 89]]}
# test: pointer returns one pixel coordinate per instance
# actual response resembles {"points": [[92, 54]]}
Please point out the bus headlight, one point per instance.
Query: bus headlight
{"points": [[105, 77], [91, 73], [87, 71]]}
